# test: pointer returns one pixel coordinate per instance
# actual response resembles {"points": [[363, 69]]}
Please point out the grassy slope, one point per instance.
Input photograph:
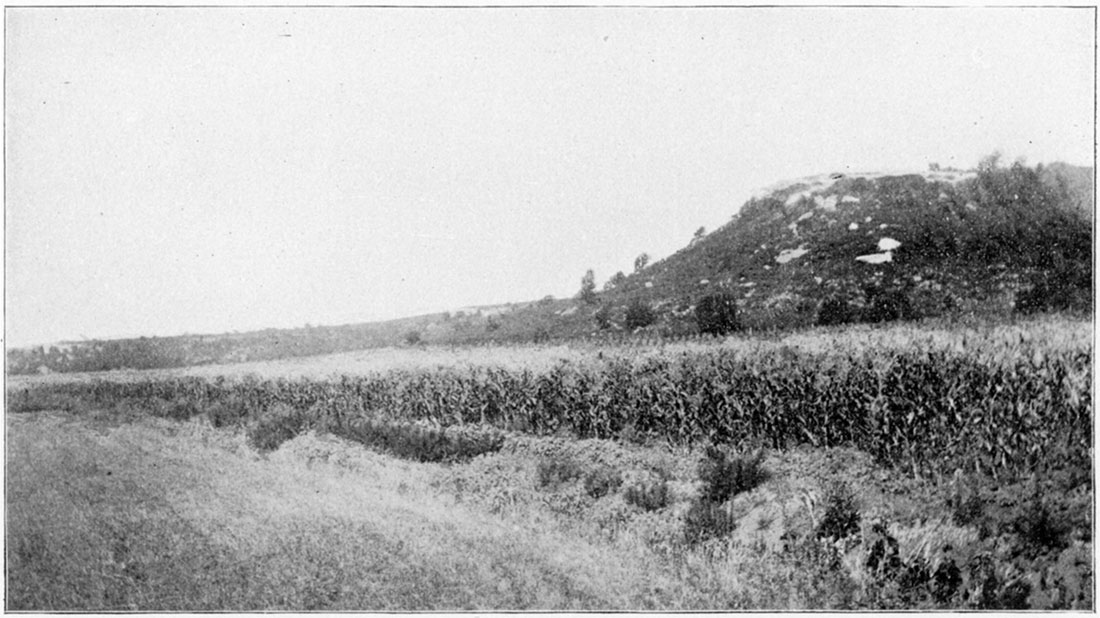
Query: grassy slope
{"points": [[152, 515], [157, 516]]}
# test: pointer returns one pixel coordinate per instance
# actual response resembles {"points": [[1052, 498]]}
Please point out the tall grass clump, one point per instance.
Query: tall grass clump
{"points": [[274, 426]]}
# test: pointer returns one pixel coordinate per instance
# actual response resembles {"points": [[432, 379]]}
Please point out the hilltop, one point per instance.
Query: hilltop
{"points": [[826, 249]]}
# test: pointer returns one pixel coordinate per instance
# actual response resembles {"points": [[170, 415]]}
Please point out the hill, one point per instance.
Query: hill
{"points": [[873, 247], [826, 249]]}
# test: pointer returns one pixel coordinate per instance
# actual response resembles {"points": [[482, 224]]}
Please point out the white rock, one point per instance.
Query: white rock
{"points": [[853, 226], [791, 254], [887, 244], [876, 258]]}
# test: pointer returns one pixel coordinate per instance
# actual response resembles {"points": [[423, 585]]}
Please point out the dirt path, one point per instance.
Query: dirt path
{"points": [[157, 515]]}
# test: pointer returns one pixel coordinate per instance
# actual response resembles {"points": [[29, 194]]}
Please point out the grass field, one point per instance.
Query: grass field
{"points": [[256, 487]]}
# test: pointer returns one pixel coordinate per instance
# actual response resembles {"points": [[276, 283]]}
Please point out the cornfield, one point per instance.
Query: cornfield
{"points": [[996, 404]]}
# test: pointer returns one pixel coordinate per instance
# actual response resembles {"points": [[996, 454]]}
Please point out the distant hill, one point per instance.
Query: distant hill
{"points": [[832, 248]]}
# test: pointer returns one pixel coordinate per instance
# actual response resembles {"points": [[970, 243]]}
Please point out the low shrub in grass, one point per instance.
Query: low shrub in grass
{"points": [[708, 520], [275, 425], [647, 492], [229, 412], [602, 481], [841, 517], [557, 470], [179, 409], [422, 442], [726, 474]]}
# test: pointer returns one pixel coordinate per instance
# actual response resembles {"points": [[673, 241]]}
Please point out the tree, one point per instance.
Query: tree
{"points": [[717, 314], [639, 314], [588, 288], [603, 317], [615, 281], [699, 234], [640, 262]]}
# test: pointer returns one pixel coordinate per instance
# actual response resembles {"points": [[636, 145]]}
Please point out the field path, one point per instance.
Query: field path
{"points": [[157, 515]]}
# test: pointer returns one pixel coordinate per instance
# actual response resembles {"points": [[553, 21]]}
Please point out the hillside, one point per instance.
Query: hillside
{"points": [[831, 248], [873, 247]]}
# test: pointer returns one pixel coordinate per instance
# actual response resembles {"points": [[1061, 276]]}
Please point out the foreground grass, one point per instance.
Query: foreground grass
{"points": [[112, 513], [159, 516]]}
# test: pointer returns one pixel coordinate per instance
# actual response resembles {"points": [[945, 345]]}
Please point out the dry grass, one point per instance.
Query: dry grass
{"points": [[161, 516]]}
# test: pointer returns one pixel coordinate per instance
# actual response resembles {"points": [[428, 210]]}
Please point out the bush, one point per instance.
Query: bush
{"points": [[639, 314], [1058, 290], [274, 426], [232, 411], [841, 517], [886, 304], [412, 337], [179, 409], [602, 481], [603, 317], [557, 470], [717, 314], [836, 310], [423, 443], [708, 520], [725, 476], [647, 493]]}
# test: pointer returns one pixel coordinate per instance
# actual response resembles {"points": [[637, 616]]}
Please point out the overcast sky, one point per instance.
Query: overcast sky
{"points": [[217, 169]]}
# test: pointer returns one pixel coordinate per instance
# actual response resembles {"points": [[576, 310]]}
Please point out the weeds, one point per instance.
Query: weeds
{"points": [[274, 426], [602, 481]]}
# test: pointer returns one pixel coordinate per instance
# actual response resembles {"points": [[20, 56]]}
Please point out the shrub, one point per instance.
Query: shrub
{"points": [[717, 314], [178, 409], [841, 517], [639, 314], [275, 425], [725, 476], [231, 411], [835, 310], [603, 317], [647, 493], [602, 481], [885, 304], [412, 337], [708, 520], [557, 470], [420, 442]]}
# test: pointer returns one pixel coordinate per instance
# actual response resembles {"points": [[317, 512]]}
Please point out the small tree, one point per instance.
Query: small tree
{"points": [[603, 317], [717, 314], [699, 234], [639, 314], [615, 281], [588, 288], [641, 262], [412, 337]]}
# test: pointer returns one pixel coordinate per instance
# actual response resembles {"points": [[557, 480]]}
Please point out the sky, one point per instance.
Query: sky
{"points": [[205, 170]]}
